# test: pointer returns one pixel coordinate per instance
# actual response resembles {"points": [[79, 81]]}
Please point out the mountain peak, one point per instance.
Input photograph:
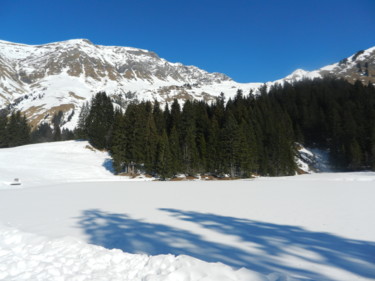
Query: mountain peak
{"points": [[75, 42], [298, 73]]}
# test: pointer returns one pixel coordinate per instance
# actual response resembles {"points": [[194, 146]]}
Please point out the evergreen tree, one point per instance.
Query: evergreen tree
{"points": [[190, 156], [81, 130], [118, 143], [17, 130], [244, 135], [3, 131], [164, 158], [56, 121], [174, 147], [99, 121], [43, 133]]}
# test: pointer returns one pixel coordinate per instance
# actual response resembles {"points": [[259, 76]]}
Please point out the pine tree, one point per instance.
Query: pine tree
{"points": [[118, 143], [3, 131], [230, 145], [190, 156], [99, 121], [43, 133], [175, 150], [81, 130], [56, 121], [17, 130], [164, 158]]}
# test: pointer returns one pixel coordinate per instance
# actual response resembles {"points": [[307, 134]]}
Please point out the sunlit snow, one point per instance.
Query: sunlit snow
{"points": [[310, 227]]}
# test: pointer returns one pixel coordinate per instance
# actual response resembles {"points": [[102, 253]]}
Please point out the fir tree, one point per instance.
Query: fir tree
{"points": [[3, 131], [99, 121]]}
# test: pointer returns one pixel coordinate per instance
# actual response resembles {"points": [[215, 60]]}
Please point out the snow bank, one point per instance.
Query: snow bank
{"points": [[29, 257]]}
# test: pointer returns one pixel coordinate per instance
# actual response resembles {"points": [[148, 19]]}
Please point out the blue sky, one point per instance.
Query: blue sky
{"points": [[249, 40]]}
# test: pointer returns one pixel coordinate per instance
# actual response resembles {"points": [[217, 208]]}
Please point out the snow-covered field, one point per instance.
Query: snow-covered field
{"points": [[312, 227]]}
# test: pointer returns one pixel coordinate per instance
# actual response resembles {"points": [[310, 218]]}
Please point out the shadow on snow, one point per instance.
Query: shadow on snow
{"points": [[264, 244], [108, 165]]}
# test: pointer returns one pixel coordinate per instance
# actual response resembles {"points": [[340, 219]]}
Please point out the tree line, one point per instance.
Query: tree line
{"points": [[245, 135], [239, 137], [15, 130], [335, 115]]}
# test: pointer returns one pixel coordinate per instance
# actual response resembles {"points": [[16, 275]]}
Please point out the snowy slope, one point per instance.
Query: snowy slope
{"points": [[69, 161], [311, 227], [40, 80]]}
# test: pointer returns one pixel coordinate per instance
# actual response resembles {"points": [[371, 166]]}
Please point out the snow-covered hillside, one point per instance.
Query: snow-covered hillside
{"points": [[310, 227], [56, 162], [40, 80]]}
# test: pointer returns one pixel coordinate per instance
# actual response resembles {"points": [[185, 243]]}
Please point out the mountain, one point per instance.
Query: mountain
{"points": [[40, 80], [360, 66], [43, 79]]}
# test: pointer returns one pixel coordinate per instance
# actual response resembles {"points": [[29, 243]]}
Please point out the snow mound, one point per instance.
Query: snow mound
{"points": [[26, 256]]}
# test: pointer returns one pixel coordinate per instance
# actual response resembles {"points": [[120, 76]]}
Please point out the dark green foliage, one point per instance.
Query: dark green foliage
{"points": [[217, 139], [164, 162], [99, 121], [245, 135], [43, 133], [14, 130], [118, 142], [56, 121], [67, 134], [81, 130], [3, 130], [334, 114]]}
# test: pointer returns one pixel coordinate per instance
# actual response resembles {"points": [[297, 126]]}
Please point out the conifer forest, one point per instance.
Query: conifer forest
{"points": [[240, 137]]}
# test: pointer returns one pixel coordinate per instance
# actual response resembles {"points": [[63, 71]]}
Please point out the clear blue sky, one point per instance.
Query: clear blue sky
{"points": [[249, 40]]}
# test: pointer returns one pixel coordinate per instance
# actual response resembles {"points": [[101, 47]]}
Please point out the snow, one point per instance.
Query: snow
{"points": [[62, 162], [71, 219], [26, 256]]}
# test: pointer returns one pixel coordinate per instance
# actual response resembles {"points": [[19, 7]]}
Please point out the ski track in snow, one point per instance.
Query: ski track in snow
{"points": [[310, 227]]}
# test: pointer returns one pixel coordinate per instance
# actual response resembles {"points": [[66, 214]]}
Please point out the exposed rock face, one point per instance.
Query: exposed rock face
{"points": [[360, 66]]}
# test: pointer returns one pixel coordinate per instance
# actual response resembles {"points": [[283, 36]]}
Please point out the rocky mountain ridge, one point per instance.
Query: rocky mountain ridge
{"points": [[360, 66], [43, 79], [40, 80]]}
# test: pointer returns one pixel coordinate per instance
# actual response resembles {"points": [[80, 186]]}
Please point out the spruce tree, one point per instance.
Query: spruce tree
{"points": [[3, 131], [164, 158], [99, 121], [81, 129], [118, 142]]}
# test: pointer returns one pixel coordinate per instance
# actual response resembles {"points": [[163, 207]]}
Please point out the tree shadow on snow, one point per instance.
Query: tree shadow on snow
{"points": [[108, 165], [264, 244]]}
